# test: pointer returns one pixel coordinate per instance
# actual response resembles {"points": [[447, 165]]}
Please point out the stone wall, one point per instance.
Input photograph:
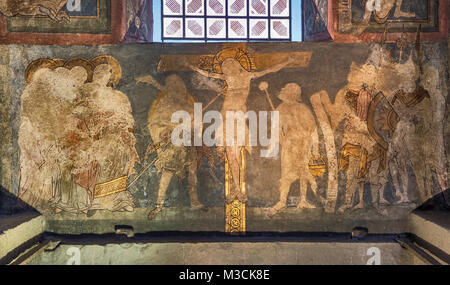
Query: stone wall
{"points": [[5, 130]]}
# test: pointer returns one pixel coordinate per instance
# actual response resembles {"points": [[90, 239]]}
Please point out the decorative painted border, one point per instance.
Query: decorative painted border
{"points": [[118, 29]]}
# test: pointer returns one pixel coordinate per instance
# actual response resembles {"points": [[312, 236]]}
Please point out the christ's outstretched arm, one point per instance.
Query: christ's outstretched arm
{"points": [[207, 74], [272, 69]]}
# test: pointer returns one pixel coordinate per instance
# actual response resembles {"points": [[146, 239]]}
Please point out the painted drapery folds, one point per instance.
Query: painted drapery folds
{"points": [[76, 136], [361, 133]]}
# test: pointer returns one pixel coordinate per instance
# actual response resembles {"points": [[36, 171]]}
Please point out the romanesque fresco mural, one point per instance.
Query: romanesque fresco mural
{"points": [[364, 134], [357, 17]]}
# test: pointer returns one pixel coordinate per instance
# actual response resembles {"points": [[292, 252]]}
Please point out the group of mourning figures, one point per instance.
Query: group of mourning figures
{"points": [[78, 144]]}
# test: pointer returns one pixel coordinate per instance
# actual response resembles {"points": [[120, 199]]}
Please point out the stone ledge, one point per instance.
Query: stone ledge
{"points": [[14, 237], [433, 227], [187, 219], [241, 253]]}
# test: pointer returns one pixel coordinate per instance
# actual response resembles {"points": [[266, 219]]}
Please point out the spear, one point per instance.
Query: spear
{"points": [[142, 172], [212, 101], [401, 43], [418, 50]]}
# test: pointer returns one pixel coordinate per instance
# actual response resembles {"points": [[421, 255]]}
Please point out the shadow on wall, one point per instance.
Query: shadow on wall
{"points": [[440, 201], [12, 205]]}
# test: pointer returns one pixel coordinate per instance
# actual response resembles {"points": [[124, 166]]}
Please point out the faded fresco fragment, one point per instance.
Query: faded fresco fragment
{"points": [[76, 137], [386, 116], [363, 16], [49, 8], [58, 17]]}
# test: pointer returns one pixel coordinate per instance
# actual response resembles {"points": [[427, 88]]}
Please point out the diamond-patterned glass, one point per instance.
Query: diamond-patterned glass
{"points": [[246, 20]]}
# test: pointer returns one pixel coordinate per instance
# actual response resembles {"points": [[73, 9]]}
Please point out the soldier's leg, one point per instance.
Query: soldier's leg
{"points": [[351, 183], [166, 177], [428, 181], [304, 204], [419, 168], [383, 181], [192, 185], [287, 178], [420, 179], [400, 178], [374, 192], [377, 193], [360, 204], [312, 182]]}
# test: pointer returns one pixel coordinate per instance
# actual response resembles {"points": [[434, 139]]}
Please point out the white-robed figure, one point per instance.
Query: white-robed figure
{"points": [[299, 143], [112, 155]]}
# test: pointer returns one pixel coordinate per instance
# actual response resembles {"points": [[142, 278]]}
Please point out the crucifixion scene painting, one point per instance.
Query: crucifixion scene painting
{"points": [[97, 145], [161, 131]]}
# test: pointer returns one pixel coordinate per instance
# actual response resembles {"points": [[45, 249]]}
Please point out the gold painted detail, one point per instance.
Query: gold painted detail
{"points": [[238, 54], [235, 218], [413, 98], [110, 187], [317, 166], [250, 61], [356, 151], [352, 98], [88, 65]]}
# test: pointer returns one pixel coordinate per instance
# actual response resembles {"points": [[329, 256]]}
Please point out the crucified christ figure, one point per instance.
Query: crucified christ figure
{"points": [[238, 81]]}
